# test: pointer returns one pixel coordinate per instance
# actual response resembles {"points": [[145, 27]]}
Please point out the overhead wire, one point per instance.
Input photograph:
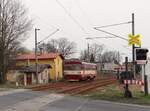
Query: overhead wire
{"points": [[45, 24], [110, 46], [114, 35], [77, 2], [99, 37], [82, 28], [111, 34], [68, 13], [84, 13], [48, 36], [114, 24]]}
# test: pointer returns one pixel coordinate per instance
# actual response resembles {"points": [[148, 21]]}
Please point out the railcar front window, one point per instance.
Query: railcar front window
{"points": [[72, 67]]}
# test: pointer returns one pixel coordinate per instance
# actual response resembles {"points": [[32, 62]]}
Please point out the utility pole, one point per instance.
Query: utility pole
{"points": [[126, 65], [127, 93], [133, 46], [36, 58], [145, 83], [88, 49], [118, 57]]}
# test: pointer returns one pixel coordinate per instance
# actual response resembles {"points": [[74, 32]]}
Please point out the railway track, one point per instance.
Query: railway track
{"points": [[48, 86], [74, 88], [87, 87], [57, 85]]}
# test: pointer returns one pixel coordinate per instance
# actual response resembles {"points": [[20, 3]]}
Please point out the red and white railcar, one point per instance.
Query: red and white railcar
{"points": [[76, 70]]}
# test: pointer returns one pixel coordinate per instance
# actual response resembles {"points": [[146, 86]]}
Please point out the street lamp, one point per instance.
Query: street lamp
{"points": [[36, 59]]}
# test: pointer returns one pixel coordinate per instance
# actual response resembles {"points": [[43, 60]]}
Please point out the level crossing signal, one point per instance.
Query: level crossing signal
{"points": [[141, 53]]}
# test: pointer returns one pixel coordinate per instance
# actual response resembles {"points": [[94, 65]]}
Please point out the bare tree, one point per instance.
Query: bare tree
{"points": [[66, 47], [95, 50], [14, 27], [51, 46], [111, 56], [84, 55], [62, 45]]}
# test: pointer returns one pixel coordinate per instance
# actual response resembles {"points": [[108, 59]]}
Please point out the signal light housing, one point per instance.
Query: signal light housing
{"points": [[141, 53]]}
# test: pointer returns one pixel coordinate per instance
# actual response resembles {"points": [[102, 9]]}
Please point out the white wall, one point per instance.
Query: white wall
{"points": [[109, 66], [147, 72], [44, 76]]}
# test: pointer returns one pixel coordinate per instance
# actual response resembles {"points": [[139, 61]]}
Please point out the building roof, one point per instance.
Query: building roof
{"points": [[32, 69], [31, 56]]}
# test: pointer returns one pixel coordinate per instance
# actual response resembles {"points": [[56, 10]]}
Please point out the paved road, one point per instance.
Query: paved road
{"points": [[39, 101], [78, 104], [8, 99]]}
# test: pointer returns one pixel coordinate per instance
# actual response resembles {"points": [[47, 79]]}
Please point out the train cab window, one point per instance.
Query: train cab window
{"points": [[72, 67]]}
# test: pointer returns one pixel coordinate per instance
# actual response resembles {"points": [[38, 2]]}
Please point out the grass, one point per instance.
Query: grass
{"points": [[115, 93]]}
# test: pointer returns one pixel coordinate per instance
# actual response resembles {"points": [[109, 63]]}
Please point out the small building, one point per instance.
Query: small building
{"points": [[109, 66], [26, 75], [55, 60]]}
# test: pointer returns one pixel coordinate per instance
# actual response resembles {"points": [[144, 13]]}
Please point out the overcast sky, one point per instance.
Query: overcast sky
{"points": [[76, 19]]}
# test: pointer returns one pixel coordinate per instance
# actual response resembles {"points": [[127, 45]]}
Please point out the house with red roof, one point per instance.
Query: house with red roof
{"points": [[55, 60]]}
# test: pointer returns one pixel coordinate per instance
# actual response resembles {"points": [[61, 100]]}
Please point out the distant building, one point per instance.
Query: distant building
{"points": [[109, 66], [55, 60]]}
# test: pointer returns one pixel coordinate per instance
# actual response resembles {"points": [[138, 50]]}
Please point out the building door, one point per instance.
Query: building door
{"points": [[29, 79]]}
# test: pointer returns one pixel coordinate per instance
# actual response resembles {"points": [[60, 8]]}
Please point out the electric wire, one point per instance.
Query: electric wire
{"points": [[116, 36], [99, 37], [114, 24], [90, 38], [110, 34], [84, 13], [44, 23], [68, 13], [48, 36]]}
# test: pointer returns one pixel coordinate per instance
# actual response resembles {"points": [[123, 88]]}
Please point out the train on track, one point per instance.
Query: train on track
{"points": [[76, 70]]}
